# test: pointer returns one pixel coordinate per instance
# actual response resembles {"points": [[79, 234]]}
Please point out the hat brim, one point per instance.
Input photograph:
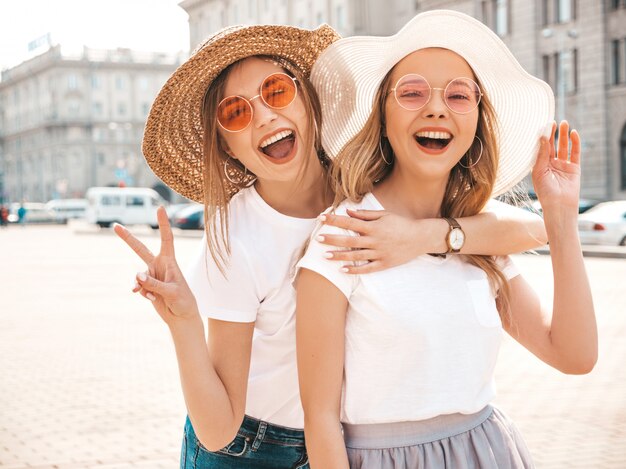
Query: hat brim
{"points": [[348, 74], [173, 137]]}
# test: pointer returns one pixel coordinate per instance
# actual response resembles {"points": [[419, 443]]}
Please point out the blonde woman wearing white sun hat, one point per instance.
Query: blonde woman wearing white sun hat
{"points": [[236, 128], [432, 122]]}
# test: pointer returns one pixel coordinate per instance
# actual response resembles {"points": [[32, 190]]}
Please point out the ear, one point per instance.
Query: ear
{"points": [[224, 147]]}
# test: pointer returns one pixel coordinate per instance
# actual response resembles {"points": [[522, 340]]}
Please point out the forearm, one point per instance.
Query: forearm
{"points": [[207, 400], [573, 331], [324, 442], [499, 234], [488, 233]]}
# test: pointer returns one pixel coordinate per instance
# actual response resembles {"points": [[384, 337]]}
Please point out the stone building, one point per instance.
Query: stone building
{"points": [[578, 46], [72, 121]]}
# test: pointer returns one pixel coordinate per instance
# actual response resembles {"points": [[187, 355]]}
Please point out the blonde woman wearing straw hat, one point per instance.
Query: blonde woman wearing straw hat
{"points": [[437, 120], [236, 128]]}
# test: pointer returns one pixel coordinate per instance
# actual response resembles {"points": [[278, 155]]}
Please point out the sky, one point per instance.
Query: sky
{"points": [[146, 25]]}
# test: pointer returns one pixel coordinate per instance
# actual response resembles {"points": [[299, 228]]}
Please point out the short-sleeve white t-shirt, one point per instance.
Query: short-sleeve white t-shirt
{"points": [[421, 338], [265, 247]]}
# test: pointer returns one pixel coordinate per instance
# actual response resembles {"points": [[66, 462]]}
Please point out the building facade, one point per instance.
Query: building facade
{"points": [[72, 121], [577, 46]]}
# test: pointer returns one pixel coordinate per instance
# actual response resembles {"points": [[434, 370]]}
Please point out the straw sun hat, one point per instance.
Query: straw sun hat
{"points": [[348, 74], [172, 141]]}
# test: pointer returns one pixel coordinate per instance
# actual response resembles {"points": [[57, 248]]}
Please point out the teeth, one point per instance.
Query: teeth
{"points": [[435, 135], [276, 138]]}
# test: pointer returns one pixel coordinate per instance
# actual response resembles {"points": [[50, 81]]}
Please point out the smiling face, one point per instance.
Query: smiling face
{"points": [[273, 145], [431, 140]]}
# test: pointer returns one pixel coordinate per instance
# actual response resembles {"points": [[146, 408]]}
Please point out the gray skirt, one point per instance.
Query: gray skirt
{"points": [[484, 440]]}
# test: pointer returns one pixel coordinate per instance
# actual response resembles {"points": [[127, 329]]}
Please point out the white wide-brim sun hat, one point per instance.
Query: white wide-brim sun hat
{"points": [[349, 72]]}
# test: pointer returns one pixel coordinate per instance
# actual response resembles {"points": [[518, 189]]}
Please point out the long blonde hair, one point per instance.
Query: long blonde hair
{"points": [[218, 190], [360, 165]]}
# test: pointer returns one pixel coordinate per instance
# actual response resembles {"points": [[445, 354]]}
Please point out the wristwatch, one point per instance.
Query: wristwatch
{"points": [[455, 239]]}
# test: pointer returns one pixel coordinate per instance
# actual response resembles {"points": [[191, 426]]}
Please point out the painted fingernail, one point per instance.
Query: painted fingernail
{"points": [[150, 296], [320, 238], [328, 255], [142, 276], [322, 218], [136, 287], [344, 270]]}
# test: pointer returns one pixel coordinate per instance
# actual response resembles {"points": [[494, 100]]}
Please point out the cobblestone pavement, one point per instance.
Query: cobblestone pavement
{"points": [[89, 377]]}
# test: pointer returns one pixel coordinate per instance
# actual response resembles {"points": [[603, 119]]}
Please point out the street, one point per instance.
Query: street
{"points": [[89, 376]]}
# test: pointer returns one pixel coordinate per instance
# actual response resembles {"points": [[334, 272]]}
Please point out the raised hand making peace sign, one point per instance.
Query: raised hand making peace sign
{"points": [[163, 283]]}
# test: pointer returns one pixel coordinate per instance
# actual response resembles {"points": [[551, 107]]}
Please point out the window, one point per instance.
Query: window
{"points": [[95, 82], [97, 109], [119, 83], [547, 70], [340, 19], [501, 16], [121, 109], [111, 200], [145, 109], [616, 62], [558, 11], [622, 152], [72, 82], [134, 201], [566, 71], [565, 10]]}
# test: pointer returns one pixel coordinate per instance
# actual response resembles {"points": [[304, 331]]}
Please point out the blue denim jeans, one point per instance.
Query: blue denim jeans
{"points": [[258, 445]]}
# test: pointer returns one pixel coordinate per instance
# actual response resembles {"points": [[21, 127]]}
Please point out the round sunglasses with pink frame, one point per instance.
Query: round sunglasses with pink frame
{"points": [[461, 95]]}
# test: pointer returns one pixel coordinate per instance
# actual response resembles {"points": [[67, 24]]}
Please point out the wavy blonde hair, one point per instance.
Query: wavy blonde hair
{"points": [[360, 165], [217, 193]]}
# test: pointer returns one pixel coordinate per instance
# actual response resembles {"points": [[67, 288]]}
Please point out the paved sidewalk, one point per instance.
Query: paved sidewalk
{"points": [[89, 376]]}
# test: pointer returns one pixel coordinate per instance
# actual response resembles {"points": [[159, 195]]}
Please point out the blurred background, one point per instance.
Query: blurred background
{"points": [[88, 371], [79, 76]]}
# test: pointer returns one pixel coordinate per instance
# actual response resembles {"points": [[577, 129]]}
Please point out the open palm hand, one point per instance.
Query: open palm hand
{"points": [[556, 174]]}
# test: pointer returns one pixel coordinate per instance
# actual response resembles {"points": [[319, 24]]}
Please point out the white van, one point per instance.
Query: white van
{"points": [[125, 205], [67, 209]]}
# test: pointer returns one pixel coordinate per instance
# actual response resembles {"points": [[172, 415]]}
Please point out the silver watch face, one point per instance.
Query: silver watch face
{"points": [[457, 238]]}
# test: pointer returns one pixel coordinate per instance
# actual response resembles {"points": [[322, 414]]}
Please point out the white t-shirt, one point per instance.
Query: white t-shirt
{"points": [[421, 338], [265, 246]]}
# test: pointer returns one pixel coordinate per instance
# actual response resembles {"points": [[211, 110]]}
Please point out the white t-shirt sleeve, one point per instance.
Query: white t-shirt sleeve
{"points": [[234, 297], [314, 260]]}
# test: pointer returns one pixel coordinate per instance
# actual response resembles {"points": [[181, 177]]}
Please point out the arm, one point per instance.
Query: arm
{"points": [[387, 240], [214, 378], [320, 327], [566, 337]]}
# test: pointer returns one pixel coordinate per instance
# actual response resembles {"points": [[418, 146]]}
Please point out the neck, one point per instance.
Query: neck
{"points": [[304, 198], [411, 195]]}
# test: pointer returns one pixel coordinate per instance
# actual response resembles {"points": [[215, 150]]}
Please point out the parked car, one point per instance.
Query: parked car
{"points": [[189, 218], [604, 224], [173, 209], [67, 209], [583, 205], [35, 213], [125, 205]]}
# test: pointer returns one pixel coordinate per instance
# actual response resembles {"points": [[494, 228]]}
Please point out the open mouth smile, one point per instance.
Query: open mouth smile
{"points": [[433, 142], [280, 147]]}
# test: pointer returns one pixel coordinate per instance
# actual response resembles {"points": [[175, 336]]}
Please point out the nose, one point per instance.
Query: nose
{"points": [[263, 114], [436, 106]]}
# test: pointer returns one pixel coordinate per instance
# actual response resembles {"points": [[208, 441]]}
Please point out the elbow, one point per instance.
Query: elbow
{"points": [[582, 366], [214, 443], [214, 439]]}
